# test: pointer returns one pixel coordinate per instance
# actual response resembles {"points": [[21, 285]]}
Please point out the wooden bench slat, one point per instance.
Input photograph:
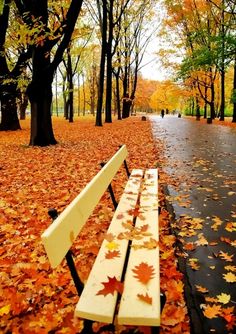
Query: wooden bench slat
{"points": [[59, 236], [132, 310], [98, 307]]}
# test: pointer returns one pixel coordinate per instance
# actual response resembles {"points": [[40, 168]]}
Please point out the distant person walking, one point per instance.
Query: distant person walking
{"points": [[162, 113]]}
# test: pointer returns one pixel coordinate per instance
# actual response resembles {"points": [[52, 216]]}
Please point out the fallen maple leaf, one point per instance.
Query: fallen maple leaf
{"points": [[112, 254], [194, 264], [202, 241], [143, 272], [5, 309], [172, 314], [211, 299], [145, 298], [212, 311], [226, 256], [109, 237], [120, 216], [231, 227], [230, 268], [223, 298], [230, 277], [112, 245], [201, 289], [111, 286], [189, 246]]}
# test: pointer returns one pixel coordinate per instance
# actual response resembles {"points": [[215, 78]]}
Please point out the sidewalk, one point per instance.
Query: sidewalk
{"points": [[201, 191]]}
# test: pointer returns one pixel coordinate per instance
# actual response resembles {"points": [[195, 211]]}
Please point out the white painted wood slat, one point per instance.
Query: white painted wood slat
{"points": [[60, 235], [132, 310], [98, 307]]}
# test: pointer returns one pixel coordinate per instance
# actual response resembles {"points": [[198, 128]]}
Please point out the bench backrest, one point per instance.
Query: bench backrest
{"points": [[60, 235]]}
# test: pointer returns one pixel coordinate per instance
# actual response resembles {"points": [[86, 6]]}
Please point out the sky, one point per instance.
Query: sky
{"points": [[151, 68]]}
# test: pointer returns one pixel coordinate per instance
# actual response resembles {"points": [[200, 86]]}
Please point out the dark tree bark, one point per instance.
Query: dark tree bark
{"points": [[108, 117], [102, 65], [234, 93], [222, 67], [8, 89], [9, 119], [40, 88], [23, 105], [71, 87], [118, 106]]}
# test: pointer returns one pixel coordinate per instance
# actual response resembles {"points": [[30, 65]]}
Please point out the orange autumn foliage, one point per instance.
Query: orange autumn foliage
{"points": [[34, 298]]}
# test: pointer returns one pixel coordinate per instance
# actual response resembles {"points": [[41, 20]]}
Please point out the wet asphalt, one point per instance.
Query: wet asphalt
{"points": [[200, 160]]}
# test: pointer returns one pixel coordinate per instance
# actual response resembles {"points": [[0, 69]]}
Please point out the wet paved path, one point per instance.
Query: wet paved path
{"points": [[201, 162]]}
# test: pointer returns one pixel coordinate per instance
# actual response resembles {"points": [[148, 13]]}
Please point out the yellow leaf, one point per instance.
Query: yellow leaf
{"points": [[5, 309], [223, 298], [112, 245], [230, 277], [230, 268], [230, 193]]}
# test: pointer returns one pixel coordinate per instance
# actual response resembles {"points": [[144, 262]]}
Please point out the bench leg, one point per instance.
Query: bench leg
{"points": [[70, 262], [87, 327], [163, 301]]}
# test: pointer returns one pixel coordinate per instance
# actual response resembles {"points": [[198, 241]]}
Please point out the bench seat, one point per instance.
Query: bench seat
{"points": [[129, 254], [132, 311]]}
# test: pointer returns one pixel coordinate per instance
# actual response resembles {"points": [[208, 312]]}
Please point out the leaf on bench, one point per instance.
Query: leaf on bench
{"points": [[145, 298], [150, 244], [112, 245], [109, 237], [112, 254], [111, 286], [143, 272]]}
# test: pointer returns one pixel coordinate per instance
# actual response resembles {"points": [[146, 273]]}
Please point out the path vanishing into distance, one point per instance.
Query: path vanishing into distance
{"points": [[200, 160]]}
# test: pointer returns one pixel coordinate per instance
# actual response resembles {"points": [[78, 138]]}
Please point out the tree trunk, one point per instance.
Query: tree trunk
{"points": [[222, 69], [212, 102], [198, 115], [118, 96], [71, 87], [234, 93], [40, 96], [23, 105], [108, 117], [9, 119], [102, 66], [41, 123], [222, 104]]}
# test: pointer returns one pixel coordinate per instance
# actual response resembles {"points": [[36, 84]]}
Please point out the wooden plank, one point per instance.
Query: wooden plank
{"points": [[99, 307], [134, 311], [60, 235]]}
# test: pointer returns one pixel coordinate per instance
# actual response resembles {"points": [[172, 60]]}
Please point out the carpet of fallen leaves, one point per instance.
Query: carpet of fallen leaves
{"points": [[33, 297]]}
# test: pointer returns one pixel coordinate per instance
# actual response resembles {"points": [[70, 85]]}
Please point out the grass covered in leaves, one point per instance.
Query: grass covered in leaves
{"points": [[33, 297]]}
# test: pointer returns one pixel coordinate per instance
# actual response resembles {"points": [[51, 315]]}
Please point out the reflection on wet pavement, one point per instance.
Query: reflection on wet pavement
{"points": [[200, 161]]}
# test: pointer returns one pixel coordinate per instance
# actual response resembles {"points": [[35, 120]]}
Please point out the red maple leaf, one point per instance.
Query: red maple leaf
{"points": [[111, 286], [143, 272], [112, 254], [145, 298]]}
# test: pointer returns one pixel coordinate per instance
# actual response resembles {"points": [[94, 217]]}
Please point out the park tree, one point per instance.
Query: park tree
{"points": [[13, 60], [138, 29], [46, 32], [78, 46], [145, 89], [207, 31]]}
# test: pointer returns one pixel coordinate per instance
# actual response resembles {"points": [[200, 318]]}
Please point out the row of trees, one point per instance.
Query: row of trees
{"points": [[37, 37], [42, 43], [205, 31]]}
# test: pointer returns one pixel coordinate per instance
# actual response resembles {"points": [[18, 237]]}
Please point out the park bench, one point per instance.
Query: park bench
{"points": [[129, 252]]}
